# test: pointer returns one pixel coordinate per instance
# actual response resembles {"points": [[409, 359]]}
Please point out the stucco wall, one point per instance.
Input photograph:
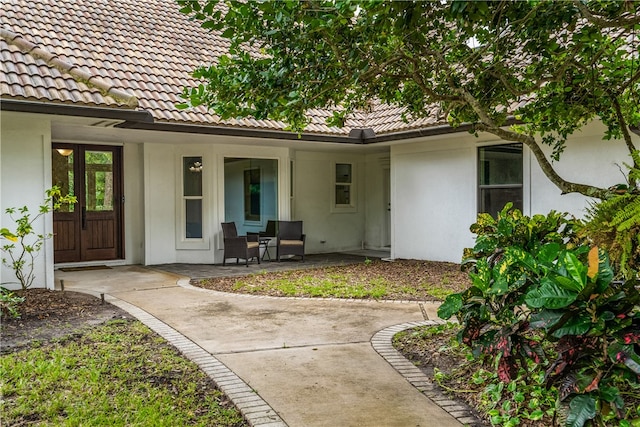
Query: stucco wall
{"points": [[159, 201], [25, 160], [434, 187], [162, 164], [134, 203], [328, 230], [589, 160], [433, 199]]}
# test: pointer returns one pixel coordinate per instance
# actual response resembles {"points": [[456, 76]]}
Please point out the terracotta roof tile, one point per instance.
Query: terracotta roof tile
{"points": [[110, 53]]}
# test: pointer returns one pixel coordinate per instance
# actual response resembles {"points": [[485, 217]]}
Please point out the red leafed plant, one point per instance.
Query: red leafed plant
{"points": [[536, 287]]}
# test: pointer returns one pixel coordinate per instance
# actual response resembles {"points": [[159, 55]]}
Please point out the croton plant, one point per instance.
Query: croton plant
{"points": [[540, 296]]}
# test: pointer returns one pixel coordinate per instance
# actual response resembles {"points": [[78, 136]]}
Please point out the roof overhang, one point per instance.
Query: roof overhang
{"points": [[236, 131], [142, 120], [356, 136], [50, 108]]}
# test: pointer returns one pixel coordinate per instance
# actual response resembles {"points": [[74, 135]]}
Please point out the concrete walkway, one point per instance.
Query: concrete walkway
{"points": [[285, 361]]}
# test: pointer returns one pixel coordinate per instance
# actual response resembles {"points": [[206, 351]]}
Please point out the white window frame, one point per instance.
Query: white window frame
{"points": [[182, 241], [351, 206]]}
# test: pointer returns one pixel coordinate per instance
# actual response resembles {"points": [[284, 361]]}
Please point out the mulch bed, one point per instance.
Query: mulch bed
{"points": [[47, 314]]}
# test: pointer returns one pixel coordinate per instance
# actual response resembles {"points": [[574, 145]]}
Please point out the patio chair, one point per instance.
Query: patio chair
{"points": [[290, 239], [245, 247], [271, 230]]}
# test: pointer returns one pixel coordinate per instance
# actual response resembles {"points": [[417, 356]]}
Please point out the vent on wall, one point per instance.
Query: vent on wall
{"points": [[106, 123]]}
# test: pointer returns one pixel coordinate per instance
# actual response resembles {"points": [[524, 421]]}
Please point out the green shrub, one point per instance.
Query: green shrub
{"points": [[25, 243], [9, 303], [533, 283], [614, 224]]}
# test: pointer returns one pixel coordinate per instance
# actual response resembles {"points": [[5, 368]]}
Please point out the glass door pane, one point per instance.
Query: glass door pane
{"points": [[63, 174], [99, 181]]}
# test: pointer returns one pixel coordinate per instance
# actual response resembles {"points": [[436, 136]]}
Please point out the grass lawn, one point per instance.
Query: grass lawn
{"points": [[116, 374], [399, 280]]}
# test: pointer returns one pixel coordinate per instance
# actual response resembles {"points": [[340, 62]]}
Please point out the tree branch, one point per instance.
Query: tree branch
{"points": [[528, 140], [623, 126], [598, 21], [419, 80]]}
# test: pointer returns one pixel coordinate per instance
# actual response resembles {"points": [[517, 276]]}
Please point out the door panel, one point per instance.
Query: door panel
{"points": [[92, 229], [66, 225]]}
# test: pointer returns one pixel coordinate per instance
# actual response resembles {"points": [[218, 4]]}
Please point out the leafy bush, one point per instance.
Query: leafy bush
{"points": [[614, 224], [9, 303], [503, 262], [533, 283], [25, 243]]}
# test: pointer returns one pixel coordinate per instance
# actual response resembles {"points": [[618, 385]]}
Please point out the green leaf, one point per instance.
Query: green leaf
{"points": [[211, 25], [451, 305], [581, 409], [575, 326], [568, 283], [605, 273], [536, 415], [548, 253], [499, 287], [609, 394], [577, 271], [549, 295], [545, 319]]}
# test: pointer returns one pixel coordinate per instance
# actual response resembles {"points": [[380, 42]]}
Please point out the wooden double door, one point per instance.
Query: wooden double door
{"points": [[91, 229]]}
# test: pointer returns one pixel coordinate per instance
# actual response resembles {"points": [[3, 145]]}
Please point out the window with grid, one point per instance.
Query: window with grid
{"points": [[343, 185], [499, 177], [192, 196]]}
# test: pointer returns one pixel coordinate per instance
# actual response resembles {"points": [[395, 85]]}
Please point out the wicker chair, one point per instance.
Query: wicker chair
{"points": [[245, 247], [271, 230], [290, 239]]}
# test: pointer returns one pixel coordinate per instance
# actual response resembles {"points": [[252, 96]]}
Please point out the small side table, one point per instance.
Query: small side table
{"points": [[264, 243]]}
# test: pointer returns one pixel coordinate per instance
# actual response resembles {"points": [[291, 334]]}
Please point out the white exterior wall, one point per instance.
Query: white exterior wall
{"points": [[327, 229], [432, 183], [587, 160], [133, 203], [434, 188], [433, 199], [163, 203], [25, 174]]}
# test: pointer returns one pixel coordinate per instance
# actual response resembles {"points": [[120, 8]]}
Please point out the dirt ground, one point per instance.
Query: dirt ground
{"points": [[46, 315], [408, 280]]}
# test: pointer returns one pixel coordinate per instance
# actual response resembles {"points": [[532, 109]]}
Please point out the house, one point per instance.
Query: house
{"points": [[89, 90]]}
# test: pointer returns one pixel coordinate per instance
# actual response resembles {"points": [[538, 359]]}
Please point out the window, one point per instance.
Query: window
{"points": [[252, 195], [192, 196], [99, 181], [250, 192], [499, 177], [343, 185]]}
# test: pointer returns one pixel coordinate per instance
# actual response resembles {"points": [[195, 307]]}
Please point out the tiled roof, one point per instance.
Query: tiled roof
{"points": [[112, 53]]}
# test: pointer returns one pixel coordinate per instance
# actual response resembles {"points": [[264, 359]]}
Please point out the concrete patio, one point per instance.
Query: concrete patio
{"points": [[284, 361]]}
